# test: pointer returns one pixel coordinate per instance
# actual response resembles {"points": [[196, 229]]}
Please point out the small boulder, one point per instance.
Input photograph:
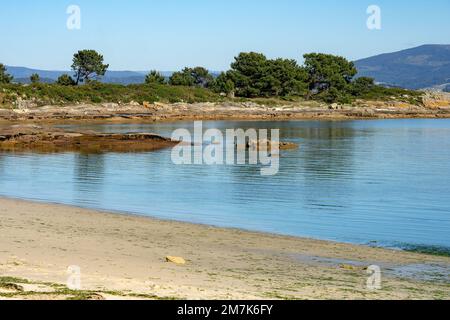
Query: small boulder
{"points": [[349, 267], [334, 106], [134, 104], [176, 260]]}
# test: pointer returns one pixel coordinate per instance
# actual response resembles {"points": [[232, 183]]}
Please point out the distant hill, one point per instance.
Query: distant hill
{"points": [[422, 67], [22, 75]]}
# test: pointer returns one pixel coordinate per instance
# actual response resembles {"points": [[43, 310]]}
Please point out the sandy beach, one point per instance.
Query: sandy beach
{"points": [[230, 168], [124, 257]]}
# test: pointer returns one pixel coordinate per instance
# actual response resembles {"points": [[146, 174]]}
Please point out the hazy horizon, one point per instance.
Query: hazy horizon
{"points": [[212, 70]]}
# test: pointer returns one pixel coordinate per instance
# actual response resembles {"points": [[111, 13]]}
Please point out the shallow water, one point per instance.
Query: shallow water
{"points": [[383, 182], [435, 272]]}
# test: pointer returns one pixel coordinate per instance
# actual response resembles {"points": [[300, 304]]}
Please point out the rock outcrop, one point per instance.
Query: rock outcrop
{"points": [[48, 139], [435, 105]]}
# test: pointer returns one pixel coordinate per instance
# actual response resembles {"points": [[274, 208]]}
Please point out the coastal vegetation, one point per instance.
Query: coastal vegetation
{"points": [[97, 92], [4, 76], [35, 78], [192, 77], [66, 80], [322, 77], [155, 77], [87, 65]]}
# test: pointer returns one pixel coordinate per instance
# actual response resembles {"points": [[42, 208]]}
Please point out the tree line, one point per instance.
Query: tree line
{"points": [[252, 75], [322, 76]]}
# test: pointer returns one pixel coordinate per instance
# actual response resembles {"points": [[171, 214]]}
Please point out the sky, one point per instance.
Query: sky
{"points": [[168, 35]]}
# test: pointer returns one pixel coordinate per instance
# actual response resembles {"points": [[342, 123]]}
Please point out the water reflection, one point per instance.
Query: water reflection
{"points": [[88, 177]]}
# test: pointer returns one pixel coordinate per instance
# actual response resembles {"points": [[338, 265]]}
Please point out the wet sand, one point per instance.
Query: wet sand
{"points": [[124, 257]]}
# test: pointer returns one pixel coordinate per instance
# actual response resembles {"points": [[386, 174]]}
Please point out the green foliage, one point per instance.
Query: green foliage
{"points": [[202, 77], [155, 77], [365, 89], [34, 78], [88, 64], [4, 76], [287, 78], [66, 80], [345, 95], [323, 77], [326, 71], [223, 84], [189, 77], [362, 86], [254, 75], [182, 78], [246, 73], [96, 92], [383, 93]]}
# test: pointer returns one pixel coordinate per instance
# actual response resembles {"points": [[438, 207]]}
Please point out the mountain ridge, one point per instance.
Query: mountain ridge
{"points": [[426, 66]]}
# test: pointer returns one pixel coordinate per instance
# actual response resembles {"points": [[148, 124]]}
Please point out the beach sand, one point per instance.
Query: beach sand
{"points": [[124, 257]]}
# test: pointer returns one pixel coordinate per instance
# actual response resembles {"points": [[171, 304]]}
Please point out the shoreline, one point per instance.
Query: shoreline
{"points": [[437, 107], [238, 229], [125, 254]]}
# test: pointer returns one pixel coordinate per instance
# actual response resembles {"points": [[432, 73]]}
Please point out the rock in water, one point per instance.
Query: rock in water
{"points": [[32, 138], [268, 145]]}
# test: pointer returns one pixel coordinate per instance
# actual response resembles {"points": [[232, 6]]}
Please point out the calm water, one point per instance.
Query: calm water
{"points": [[382, 182]]}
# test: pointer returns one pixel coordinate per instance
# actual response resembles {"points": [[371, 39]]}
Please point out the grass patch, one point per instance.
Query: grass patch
{"points": [[430, 250], [97, 92], [11, 283], [6, 280], [53, 94], [384, 94]]}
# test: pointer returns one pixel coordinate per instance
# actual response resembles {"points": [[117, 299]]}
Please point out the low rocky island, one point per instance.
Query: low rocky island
{"points": [[50, 139]]}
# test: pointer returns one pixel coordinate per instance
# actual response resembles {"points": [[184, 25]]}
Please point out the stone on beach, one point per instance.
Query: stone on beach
{"points": [[176, 260]]}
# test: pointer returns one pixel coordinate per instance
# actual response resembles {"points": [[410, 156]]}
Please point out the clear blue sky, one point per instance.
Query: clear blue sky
{"points": [[171, 34]]}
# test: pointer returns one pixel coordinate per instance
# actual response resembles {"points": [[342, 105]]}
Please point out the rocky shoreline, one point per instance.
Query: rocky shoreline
{"points": [[436, 105], [28, 137]]}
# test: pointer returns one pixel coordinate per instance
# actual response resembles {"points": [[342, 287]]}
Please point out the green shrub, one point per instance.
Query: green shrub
{"points": [[198, 76], [155, 77], [34, 78], [66, 80], [4, 77], [96, 92]]}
